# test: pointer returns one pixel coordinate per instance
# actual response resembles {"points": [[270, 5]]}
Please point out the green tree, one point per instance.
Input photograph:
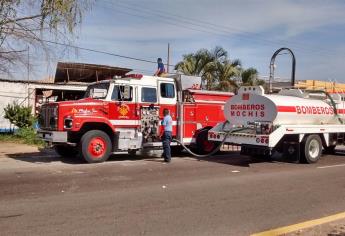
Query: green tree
{"points": [[217, 70], [24, 23], [226, 73], [203, 63], [250, 76], [19, 116]]}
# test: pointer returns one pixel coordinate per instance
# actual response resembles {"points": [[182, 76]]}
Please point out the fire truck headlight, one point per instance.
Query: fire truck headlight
{"points": [[68, 123]]}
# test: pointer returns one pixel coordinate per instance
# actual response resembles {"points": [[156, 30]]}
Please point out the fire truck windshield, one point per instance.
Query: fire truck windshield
{"points": [[98, 91]]}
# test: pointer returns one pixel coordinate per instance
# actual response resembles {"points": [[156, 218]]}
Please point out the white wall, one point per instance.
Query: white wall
{"points": [[10, 92], [19, 91]]}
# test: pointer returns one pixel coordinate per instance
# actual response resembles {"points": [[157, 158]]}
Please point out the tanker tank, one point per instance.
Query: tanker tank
{"points": [[288, 107]]}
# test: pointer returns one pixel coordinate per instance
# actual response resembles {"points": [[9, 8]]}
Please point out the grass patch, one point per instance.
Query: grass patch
{"points": [[23, 135]]}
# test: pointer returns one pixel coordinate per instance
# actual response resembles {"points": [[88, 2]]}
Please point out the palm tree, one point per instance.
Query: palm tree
{"points": [[250, 77], [225, 73], [203, 63], [216, 69]]}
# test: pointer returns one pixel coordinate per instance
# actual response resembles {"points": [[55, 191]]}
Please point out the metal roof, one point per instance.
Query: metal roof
{"points": [[82, 72], [40, 82]]}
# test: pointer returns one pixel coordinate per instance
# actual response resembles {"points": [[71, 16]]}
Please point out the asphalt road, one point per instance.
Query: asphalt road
{"points": [[223, 195]]}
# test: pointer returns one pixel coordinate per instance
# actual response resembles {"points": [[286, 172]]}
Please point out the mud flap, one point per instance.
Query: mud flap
{"points": [[291, 151]]}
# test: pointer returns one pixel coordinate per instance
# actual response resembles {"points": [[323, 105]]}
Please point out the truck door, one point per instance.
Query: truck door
{"points": [[167, 98], [123, 113]]}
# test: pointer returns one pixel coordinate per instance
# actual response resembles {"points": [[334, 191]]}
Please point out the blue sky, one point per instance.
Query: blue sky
{"points": [[249, 30]]}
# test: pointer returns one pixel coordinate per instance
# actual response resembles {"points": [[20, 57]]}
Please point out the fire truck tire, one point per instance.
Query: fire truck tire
{"points": [[204, 146], [66, 151], [95, 146], [311, 149]]}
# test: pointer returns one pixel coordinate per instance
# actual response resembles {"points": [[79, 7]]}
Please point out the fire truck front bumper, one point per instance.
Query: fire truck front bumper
{"points": [[52, 136]]}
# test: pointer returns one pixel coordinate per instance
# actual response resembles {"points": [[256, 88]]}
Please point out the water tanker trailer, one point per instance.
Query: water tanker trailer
{"points": [[296, 123], [299, 124]]}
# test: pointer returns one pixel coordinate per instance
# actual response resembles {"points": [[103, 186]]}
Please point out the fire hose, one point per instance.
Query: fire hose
{"points": [[216, 149], [332, 103]]}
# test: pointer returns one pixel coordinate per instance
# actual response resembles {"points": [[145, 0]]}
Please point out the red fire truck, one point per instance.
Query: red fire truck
{"points": [[123, 115]]}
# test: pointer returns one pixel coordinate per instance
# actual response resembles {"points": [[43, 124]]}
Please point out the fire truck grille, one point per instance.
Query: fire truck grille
{"points": [[48, 117]]}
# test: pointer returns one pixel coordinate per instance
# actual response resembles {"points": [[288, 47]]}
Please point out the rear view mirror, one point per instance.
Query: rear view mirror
{"points": [[98, 93]]}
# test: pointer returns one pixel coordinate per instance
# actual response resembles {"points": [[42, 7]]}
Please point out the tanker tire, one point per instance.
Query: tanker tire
{"points": [[95, 146], [311, 149], [203, 146], [66, 151], [329, 149]]}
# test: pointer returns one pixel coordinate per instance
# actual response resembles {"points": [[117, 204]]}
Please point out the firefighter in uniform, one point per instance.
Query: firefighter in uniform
{"points": [[167, 135]]}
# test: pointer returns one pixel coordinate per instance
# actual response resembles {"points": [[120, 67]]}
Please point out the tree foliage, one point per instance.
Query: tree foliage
{"points": [[26, 23], [19, 116], [214, 67], [250, 77], [217, 70]]}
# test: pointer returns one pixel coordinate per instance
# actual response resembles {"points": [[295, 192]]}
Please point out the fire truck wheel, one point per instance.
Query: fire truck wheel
{"points": [[95, 146], [203, 146], [66, 151], [311, 149]]}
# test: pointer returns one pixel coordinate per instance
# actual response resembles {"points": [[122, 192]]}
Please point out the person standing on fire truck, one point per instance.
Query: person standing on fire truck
{"points": [[160, 67], [167, 135]]}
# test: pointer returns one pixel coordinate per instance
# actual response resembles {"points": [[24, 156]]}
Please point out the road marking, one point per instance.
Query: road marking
{"points": [[323, 167], [303, 225]]}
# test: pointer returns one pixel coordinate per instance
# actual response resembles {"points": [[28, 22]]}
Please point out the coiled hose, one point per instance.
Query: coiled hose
{"points": [[215, 150]]}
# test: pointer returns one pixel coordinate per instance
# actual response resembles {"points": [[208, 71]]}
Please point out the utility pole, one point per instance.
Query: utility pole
{"points": [[168, 60], [28, 75]]}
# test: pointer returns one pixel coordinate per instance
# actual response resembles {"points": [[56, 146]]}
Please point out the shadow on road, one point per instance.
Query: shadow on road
{"points": [[224, 157], [46, 155], [235, 159], [340, 153]]}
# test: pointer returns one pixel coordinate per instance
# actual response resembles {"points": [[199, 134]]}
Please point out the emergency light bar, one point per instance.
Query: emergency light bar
{"points": [[134, 76]]}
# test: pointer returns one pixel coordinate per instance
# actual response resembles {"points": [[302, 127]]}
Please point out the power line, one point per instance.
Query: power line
{"points": [[106, 53], [166, 18], [216, 29], [209, 31], [98, 51], [101, 52]]}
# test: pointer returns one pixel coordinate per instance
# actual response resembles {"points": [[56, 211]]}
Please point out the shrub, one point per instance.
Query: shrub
{"points": [[19, 116], [28, 136]]}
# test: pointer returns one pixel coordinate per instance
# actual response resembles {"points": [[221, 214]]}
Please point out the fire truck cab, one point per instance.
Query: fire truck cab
{"points": [[124, 115]]}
